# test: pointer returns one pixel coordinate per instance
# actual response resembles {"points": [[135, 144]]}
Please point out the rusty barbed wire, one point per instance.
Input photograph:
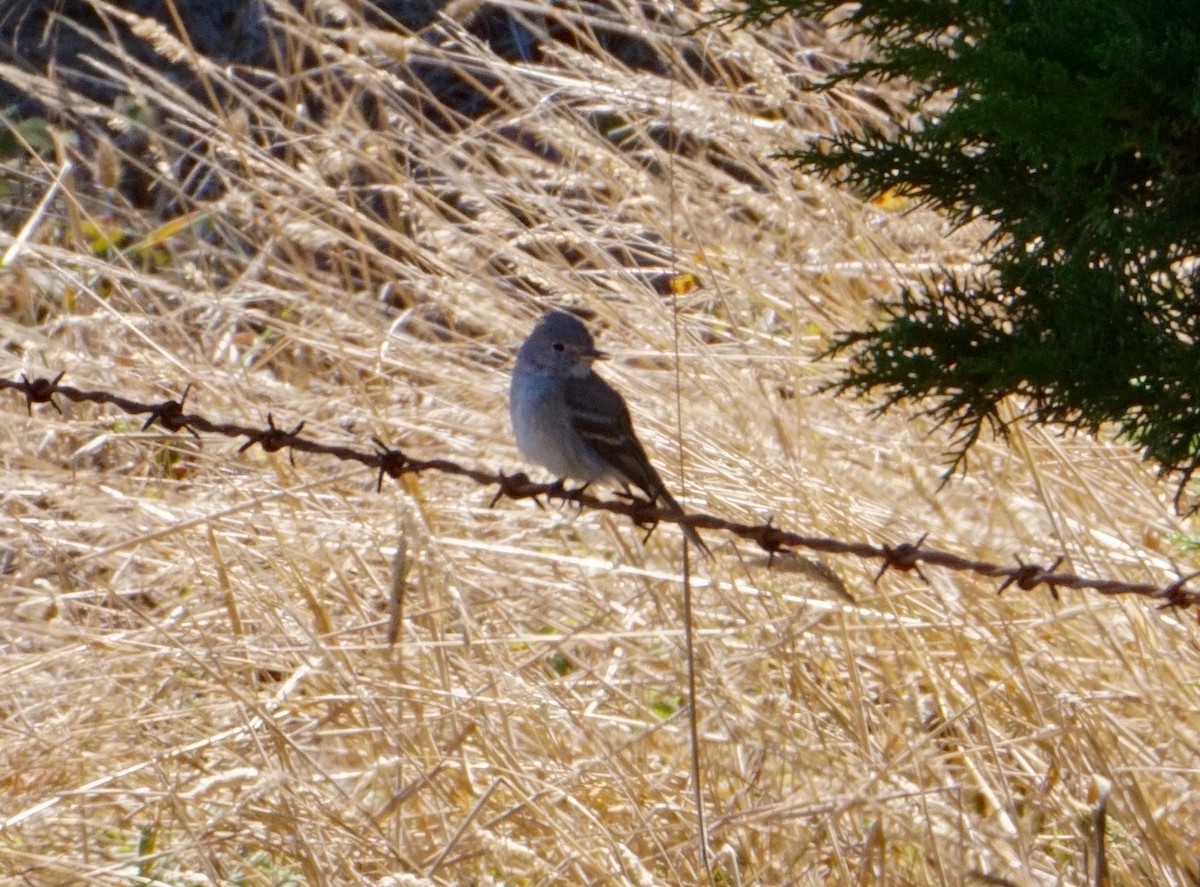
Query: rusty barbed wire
{"points": [[392, 462]]}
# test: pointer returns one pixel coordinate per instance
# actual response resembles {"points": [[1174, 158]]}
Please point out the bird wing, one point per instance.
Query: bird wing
{"points": [[599, 416]]}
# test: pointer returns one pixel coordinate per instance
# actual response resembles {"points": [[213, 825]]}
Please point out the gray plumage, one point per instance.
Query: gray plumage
{"points": [[573, 423]]}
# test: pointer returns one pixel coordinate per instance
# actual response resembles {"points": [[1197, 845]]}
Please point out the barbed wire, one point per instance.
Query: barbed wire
{"points": [[391, 462]]}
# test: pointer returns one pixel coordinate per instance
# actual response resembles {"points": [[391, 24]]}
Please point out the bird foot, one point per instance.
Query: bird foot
{"points": [[560, 490]]}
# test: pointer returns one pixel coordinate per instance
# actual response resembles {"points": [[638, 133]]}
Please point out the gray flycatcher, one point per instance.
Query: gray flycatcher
{"points": [[573, 423]]}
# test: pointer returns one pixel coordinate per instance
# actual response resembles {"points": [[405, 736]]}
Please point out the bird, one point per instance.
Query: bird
{"points": [[569, 420]]}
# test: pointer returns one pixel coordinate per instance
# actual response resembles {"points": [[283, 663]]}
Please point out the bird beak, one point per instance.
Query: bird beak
{"points": [[593, 354]]}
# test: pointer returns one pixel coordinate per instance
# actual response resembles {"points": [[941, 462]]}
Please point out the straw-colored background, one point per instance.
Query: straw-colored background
{"points": [[197, 682]]}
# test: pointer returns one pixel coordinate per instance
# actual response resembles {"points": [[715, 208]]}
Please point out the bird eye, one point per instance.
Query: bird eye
{"points": [[559, 346]]}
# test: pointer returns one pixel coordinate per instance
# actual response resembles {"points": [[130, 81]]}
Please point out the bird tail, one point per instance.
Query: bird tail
{"points": [[690, 532]]}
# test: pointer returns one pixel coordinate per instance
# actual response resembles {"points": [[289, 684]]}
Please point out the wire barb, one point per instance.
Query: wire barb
{"points": [[273, 439], [519, 486], [904, 557], [169, 414], [1029, 576], [1177, 595], [771, 540], [40, 390], [392, 462]]}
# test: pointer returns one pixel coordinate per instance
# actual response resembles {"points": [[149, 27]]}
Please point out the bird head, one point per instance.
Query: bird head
{"points": [[560, 345]]}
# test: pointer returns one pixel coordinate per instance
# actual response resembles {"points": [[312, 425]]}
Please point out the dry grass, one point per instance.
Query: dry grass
{"points": [[198, 685]]}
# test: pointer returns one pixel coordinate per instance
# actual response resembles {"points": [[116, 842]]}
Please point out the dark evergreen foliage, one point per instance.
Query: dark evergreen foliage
{"points": [[1073, 126]]}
